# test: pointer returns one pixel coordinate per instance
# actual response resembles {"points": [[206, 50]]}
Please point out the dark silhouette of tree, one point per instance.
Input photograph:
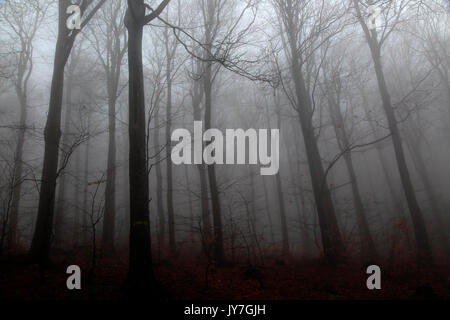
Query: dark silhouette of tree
{"points": [[40, 245], [300, 43], [22, 23], [375, 44], [334, 91], [141, 279]]}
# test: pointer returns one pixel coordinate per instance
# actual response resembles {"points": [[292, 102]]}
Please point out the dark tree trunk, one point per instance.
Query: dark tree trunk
{"points": [[333, 245], [170, 209], [421, 235], [206, 219], [283, 220], [77, 211], [215, 199], [269, 215], [331, 238], [141, 280], [190, 205], [110, 190], [159, 184], [18, 168], [61, 208], [85, 180], [368, 250], [421, 168], [40, 245], [85, 211], [114, 56], [295, 172], [304, 220]]}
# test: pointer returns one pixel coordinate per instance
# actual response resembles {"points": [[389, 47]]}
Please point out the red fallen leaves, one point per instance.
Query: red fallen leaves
{"points": [[186, 279]]}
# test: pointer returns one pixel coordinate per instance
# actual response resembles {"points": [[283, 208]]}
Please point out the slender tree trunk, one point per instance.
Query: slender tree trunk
{"points": [[215, 200], [300, 211], [390, 184], [368, 250], [61, 207], [40, 244], [206, 219], [421, 235], [252, 217], [18, 168], [170, 209], [305, 238], [86, 185], [433, 199], [109, 217], [190, 205], [333, 245], [283, 220], [269, 216], [159, 184], [77, 211]]}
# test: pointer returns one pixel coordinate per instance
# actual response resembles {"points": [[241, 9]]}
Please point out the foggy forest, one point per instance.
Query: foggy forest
{"points": [[354, 96]]}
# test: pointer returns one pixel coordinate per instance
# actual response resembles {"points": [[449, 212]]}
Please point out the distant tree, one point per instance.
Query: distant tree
{"points": [[21, 23], [394, 12], [109, 40], [334, 91], [304, 27]]}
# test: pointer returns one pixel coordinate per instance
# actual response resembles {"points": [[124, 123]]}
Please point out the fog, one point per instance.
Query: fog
{"points": [[362, 114]]}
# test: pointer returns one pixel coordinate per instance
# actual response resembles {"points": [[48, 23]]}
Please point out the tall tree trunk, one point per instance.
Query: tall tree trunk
{"points": [[18, 168], [397, 203], [215, 200], [141, 279], [298, 199], [40, 244], [269, 216], [398, 208], [159, 184], [206, 219], [77, 211], [85, 180], [61, 207], [368, 250], [432, 197], [109, 217], [283, 220], [420, 232], [190, 205], [170, 209], [305, 238], [333, 245]]}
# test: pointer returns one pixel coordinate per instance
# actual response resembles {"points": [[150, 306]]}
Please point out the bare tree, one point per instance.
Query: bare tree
{"points": [[393, 13], [170, 44], [304, 27], [22, 21], [334, 92], [68, 138], [40, 245], [109, 40], [141, 280]]}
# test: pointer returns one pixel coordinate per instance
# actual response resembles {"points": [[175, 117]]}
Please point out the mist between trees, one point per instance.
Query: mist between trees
{"points": [[87, 116]]}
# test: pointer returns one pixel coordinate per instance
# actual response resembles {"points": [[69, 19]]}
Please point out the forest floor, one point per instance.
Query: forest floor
{"points": [[297, 280]]}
